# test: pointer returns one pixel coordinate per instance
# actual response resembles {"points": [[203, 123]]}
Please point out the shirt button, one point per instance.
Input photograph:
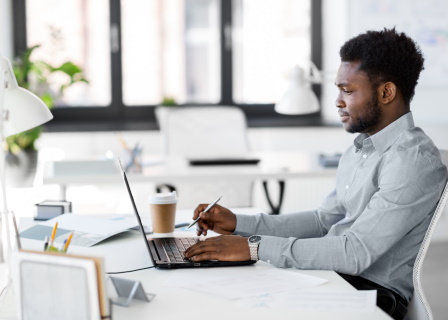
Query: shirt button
{"points": [[346, 187], [364, 156]]}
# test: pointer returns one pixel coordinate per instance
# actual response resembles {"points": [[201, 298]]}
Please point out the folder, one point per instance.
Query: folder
{"points": [[51, 285]]}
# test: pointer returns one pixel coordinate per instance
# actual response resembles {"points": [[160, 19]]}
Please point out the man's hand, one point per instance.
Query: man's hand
{"points": [[223, 248], [218, 219]]}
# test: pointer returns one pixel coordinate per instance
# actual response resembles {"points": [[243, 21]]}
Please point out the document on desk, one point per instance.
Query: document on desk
{"points": [[333, 301], [255, 283], [88, 230]]}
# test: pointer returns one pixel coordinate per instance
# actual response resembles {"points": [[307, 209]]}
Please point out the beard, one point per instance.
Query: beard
{"points": [[370, 119]]}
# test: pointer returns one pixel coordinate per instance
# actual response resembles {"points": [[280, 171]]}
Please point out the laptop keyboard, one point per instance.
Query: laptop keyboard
{"points": [[175, 248]]}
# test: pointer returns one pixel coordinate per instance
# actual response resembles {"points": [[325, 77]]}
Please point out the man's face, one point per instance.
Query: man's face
{"points": [[358, 104]]}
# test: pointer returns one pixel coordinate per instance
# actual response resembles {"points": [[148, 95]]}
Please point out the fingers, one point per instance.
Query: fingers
{"points": [[200, 208], [201, 247], [200, 231], [205, 256], [218, 219], [223, 248]]}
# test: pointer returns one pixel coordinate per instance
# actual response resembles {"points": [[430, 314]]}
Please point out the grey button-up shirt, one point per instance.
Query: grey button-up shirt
{"points": [[372, 224]]}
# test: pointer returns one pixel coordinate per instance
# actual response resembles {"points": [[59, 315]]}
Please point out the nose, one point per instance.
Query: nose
{"points": [[339, 102]]}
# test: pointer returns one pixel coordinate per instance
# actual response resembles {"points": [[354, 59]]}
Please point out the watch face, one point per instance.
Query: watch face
{"points": [[254, 239]]}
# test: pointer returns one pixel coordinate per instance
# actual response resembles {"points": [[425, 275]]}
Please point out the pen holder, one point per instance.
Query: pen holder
{"points": [[133, 160], [54, 249]]}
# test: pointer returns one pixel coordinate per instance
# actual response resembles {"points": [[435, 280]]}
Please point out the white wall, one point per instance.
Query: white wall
{"points": [[429, 105], [6, 29]]}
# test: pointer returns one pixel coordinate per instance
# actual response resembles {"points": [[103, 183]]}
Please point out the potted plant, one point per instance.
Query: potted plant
{"points": [[21, 153], [167, 105]]}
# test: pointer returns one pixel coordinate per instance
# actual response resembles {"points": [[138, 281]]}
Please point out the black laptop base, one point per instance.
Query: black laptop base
{"points": [[162, 260]]}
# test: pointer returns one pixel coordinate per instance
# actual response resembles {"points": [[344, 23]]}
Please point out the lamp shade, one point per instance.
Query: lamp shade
{"points": [[23, 110], [298, 98]]}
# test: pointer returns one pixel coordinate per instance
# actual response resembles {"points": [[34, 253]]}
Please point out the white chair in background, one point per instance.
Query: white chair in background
{"points": [[419, 308], [203, 131], [198, 132]]}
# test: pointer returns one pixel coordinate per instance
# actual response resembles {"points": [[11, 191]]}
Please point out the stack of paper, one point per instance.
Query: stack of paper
{"points": [[88, 230]]}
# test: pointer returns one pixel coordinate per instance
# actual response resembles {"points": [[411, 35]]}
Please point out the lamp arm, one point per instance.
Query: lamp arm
{"points": [[9, 80], [4, 218]]}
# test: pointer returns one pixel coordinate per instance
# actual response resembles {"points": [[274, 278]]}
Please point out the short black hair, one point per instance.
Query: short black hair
{"points": [[386, 56]]}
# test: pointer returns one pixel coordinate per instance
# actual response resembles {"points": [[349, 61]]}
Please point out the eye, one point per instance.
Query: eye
{"points": [[347, 91]]}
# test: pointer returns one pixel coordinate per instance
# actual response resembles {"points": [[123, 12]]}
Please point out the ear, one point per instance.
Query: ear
{"points": [[388, 92]]}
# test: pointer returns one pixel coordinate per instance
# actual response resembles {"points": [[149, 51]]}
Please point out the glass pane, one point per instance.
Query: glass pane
{"points": [[170, 48], [76, 31], [269, 38]]}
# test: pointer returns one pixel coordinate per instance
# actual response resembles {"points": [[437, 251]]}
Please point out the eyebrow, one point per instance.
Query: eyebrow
{"points": [[342, 84]]}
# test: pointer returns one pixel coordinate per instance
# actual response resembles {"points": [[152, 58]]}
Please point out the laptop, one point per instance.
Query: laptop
{"points": [[167, 253]]}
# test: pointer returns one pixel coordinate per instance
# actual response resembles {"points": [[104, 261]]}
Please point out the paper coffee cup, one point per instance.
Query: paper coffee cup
{"points": [[163, 211]]}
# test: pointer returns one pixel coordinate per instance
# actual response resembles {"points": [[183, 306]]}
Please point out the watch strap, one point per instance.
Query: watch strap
{"points": [[253, 249]]}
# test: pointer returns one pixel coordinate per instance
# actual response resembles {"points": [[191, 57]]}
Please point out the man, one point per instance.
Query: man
{"points": [[369, 229]]}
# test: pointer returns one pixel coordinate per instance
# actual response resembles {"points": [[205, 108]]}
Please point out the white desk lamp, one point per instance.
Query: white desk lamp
{"points": [[20, 110], [299, 98]]}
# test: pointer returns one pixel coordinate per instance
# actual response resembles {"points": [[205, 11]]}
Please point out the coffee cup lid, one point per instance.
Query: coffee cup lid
{"points": [[163, 198]]}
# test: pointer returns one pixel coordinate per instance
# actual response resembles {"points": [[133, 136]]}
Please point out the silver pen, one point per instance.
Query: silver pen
{"points": [[211, 205]]}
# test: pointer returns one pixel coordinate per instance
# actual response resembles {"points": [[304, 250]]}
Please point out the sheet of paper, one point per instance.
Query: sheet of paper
{"points": [[317, 300], [88, 230], [255, 283]]}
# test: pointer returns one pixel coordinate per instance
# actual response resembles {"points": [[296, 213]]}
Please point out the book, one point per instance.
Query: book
{"points": [[49, 209]]}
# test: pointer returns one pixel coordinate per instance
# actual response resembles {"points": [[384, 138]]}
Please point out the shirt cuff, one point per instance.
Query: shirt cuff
{"points": [[270, 250], [244, 224]]}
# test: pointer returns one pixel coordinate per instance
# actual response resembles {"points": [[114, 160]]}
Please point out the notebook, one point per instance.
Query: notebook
{"points": [[167, 253]]}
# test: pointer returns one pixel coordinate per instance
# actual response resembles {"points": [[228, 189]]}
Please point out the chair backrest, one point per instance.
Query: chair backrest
{"points": [[419, 308], [203, 131], [195, 132]]}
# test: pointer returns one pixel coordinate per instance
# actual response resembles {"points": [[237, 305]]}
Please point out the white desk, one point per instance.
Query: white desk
{"points": [[128, 252], [279, 166]]}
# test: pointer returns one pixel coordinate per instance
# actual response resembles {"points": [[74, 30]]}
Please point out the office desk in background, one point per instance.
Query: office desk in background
{"points": [[279, 166], [128, 252]]}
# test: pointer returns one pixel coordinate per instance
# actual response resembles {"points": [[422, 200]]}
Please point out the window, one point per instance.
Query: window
{"points": [[75, 31], [200, 52], [175, 54], [269, 37]]}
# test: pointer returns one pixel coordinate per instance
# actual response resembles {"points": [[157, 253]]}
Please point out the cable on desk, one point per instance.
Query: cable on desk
{"points": [[118, 272]]}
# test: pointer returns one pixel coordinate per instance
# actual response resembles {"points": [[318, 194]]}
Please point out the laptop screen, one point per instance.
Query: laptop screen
{"points": [[125, 179]]}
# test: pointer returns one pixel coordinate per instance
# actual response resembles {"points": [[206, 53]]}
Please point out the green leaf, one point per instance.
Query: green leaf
{"points": [[69, 68], [48, 100], [24, 140], [168, 101], [24, 70]]}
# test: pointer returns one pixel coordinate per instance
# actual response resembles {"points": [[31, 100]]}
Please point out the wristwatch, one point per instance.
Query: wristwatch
{"points": [[254, 242]]}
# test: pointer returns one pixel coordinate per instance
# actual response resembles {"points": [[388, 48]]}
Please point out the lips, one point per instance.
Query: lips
{"points": [[344, 116]]}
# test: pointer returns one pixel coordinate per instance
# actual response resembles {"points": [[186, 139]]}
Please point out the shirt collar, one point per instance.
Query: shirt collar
{"points": [[386, 137]]}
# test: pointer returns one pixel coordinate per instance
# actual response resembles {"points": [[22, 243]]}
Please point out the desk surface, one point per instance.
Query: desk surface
{"points": [[285, 165], [127, 251]]}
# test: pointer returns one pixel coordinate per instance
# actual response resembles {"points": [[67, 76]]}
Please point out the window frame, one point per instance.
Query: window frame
{"points": [[119, 117]]}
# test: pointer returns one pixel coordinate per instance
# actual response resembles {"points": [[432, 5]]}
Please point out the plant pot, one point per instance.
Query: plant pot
{"points": [[162, 113], [21, 168]]}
